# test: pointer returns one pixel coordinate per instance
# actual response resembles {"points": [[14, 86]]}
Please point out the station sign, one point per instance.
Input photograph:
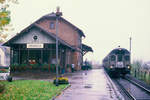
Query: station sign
{"points": [[35, 45]]}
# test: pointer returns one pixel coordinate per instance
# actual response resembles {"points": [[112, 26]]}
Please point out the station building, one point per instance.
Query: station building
{"points": [[37, 43]]}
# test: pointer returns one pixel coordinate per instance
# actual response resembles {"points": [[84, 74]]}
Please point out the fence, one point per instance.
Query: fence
{"points": [[141, 74]]}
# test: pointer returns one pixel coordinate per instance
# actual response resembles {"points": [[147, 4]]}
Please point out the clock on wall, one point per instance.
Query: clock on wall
{"points": [[35, 37]]}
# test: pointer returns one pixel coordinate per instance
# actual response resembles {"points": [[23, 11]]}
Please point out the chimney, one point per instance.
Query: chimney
{"points": [[57, 10], [58, 13]]}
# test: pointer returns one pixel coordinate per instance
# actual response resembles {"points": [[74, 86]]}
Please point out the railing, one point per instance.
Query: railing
{"points": [[141, 74]]}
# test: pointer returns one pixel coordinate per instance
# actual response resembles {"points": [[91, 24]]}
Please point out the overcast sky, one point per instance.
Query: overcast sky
{"points": [[106, 23]]}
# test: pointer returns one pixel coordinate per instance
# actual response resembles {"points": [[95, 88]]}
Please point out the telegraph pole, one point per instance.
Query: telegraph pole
{"points": [[58, 14], [130, 47]]}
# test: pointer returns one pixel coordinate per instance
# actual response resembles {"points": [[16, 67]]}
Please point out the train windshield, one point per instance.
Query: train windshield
{"points": [[113, 58], [127, 58], [119, 58]]}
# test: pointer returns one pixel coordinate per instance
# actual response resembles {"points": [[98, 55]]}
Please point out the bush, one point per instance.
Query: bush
{"points": [[23, 66], [9, 79], [14, 67], [34, 66], [2, 87], [61, 80], [45, 67]]}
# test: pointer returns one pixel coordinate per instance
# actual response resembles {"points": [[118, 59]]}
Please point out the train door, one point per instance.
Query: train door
{"points": [[120, 61]]}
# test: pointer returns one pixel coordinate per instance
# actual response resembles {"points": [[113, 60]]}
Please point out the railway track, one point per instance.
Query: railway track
{"points": [[137, 84], [133, 90]]}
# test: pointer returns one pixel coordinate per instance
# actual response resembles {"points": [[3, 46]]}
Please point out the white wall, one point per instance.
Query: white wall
{"points": [[28, 38]]}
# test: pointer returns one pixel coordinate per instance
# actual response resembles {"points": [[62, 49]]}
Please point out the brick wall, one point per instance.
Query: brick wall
{"points": [[65, 31]]}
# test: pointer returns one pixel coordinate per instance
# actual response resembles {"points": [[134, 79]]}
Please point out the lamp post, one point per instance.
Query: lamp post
{"points": [[58, 14], [130, 48]]}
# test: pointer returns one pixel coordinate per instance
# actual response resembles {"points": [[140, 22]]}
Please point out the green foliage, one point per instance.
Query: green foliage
{"points": [[68, 65], [2, 87], [137, 64], [5, 17], [61, 80], [30, 90], [14, 67], [34, 66], [45, 67], [24, 65], [140, 71], [41, 67], [4, 20], [2, 1], [141, 74], [44, 64]]}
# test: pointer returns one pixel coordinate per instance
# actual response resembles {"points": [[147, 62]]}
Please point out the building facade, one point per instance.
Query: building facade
{"points": [[37, 43]]}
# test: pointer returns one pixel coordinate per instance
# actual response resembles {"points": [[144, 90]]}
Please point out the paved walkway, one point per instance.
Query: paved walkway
{"points": [[91, 86]]}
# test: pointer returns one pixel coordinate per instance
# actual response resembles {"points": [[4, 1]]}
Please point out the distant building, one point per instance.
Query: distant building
{"points": [[38, 42], [4, 56]]}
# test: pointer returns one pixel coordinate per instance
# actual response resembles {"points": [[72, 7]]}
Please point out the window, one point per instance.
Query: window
{"points": [[127, 58], [113, 58], [52, 25]]}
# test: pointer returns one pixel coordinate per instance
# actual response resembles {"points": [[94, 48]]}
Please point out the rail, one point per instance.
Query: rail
{"points": [[140, 86], [125, 91]]}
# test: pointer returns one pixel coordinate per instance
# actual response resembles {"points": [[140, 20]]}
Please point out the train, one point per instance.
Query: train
{"points": [[117, 62]]}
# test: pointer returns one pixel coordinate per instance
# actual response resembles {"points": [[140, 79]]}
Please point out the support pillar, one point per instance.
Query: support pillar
{"points": [[28, 56], [41, 56], [19, 55]]}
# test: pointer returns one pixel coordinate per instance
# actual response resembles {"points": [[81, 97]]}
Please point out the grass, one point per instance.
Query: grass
{"points": [[30, 90]]}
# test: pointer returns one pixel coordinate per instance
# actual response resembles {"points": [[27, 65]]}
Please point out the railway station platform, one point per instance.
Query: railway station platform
{"points": [[90, 85]]}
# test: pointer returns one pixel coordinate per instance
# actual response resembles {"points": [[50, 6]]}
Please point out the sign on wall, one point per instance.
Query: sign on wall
{"points": [[35, 46]]}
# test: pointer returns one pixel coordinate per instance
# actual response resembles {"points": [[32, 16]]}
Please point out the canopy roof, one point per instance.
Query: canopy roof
{"points": [[86, 49]]}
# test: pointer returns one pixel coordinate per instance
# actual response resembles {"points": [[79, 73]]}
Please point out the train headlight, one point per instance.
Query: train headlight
{"points": [[128, 67], [111, 66]]}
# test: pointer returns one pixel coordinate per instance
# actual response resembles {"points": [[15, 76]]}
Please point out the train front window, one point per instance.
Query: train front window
{"points": [[113, 58], [127, 58], [119, 57]]}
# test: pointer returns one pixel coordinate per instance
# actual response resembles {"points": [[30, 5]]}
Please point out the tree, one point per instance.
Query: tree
{"points": [[137, 64], [5, 18]]}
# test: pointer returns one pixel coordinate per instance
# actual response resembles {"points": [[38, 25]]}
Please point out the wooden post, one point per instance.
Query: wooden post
{"points": [[11, 58], [19, 55], [41, 56], [28, 56], [149, 77]]}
